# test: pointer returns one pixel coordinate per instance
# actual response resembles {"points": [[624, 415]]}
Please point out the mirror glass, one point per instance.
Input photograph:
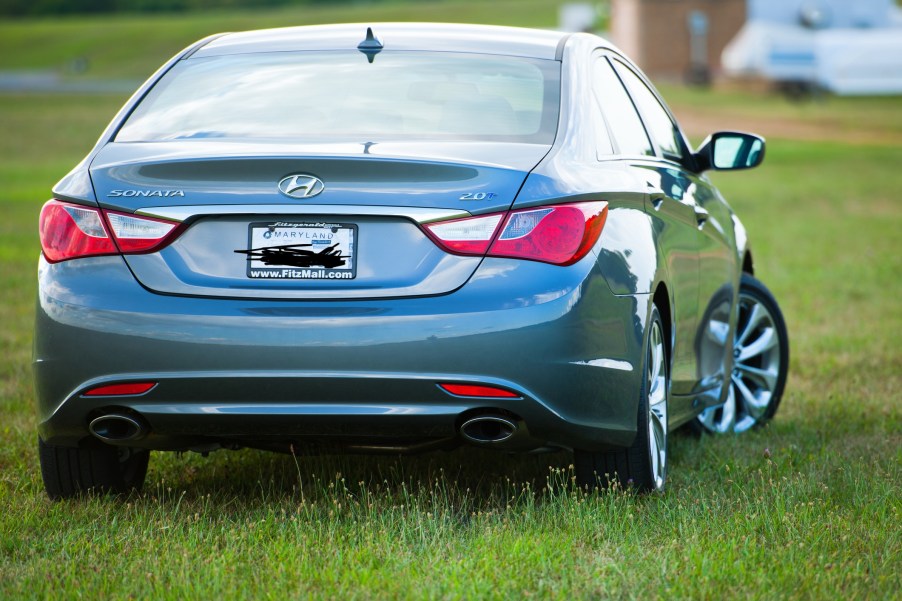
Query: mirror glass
{"points": [[737, 151]]}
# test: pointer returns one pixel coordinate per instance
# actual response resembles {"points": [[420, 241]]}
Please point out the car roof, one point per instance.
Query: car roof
{"points": [[444, 37]]}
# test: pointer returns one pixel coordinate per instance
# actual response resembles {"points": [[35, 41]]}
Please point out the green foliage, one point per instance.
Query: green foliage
{"points": [[67, 7], [132, 46]]}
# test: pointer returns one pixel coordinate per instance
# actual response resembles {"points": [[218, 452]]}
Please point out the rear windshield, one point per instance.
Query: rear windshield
{"points": [[320, 96]]}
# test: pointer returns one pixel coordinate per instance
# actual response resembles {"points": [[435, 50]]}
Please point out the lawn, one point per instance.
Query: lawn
{"points": [[130, 46], [808, 507]]}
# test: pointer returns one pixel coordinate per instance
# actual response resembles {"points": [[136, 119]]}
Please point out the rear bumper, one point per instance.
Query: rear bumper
{"points": [[256, 372]]}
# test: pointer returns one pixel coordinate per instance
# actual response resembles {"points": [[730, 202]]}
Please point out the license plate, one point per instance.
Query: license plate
{"points": [[301, 251]]}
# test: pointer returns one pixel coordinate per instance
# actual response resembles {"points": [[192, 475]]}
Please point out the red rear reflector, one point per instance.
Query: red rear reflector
{"points": [[120, 389], [479, 391]]}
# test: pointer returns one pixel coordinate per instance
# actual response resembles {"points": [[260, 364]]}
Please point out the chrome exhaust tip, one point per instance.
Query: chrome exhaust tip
{"points": [[115, 428], [488, 429]]}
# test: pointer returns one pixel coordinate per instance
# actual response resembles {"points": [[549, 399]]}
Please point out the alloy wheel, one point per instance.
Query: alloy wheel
{"points": [[756, 381], [657, 406]]}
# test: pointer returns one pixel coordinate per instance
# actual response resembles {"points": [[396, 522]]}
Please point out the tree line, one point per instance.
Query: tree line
{"points": [[21, 8]]}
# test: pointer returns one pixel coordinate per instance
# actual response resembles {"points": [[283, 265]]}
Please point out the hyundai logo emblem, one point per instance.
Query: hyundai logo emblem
{"points": [[301, 185]]}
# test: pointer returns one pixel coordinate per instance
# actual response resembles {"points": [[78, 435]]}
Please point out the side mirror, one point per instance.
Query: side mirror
{"points": [[730, 150]]}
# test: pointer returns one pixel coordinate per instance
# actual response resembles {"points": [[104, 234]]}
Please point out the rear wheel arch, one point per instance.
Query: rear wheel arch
{"points": [[747, 263], [661, 300], [643, 464]]}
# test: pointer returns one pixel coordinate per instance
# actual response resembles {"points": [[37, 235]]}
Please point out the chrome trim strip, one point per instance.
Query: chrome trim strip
{"points": [[417, 214]]}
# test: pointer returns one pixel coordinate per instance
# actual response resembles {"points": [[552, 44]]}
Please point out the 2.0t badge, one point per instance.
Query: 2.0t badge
{"points": [[301, 185]]}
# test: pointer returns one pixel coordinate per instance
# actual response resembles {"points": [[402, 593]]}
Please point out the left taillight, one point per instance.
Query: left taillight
{"points": [[69, 231], [134, 234]]}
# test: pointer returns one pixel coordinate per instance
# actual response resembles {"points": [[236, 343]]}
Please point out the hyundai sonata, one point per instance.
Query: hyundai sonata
{"points": [[397, 238]]}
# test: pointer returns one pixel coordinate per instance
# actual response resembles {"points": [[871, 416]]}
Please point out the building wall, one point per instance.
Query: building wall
{"points": [[655, 33]]}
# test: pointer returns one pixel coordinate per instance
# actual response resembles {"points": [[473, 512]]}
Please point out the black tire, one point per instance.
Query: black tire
{"points": [[753, 400], [642, 466], [92, 468]]}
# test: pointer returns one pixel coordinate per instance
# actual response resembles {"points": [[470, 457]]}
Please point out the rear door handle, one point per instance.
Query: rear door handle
{"points": [[701, 215]]}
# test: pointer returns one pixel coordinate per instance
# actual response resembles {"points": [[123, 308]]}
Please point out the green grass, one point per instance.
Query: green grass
{"points": [[133, 46], [807, 508], [867, 120]]}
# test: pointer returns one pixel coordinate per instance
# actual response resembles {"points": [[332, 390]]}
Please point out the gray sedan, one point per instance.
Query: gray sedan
{"points": [[397, 238]]}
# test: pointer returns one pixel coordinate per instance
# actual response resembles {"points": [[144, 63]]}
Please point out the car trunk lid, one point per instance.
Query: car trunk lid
{"points": [[243, 237]]}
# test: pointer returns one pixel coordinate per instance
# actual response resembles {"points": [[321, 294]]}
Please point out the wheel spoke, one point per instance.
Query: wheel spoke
{"points": [[657, 407], [728, 413], [766, 377], [659, 423], [756, 314], [654, 452], [765, 342], [656, 392], [707, 418], [752, 404], [657, 442], [656, 352], [721, 419]]}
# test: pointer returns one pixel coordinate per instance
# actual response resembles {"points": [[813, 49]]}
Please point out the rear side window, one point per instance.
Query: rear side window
{"points": [[619, 112], [662, 128], [315, 96]]}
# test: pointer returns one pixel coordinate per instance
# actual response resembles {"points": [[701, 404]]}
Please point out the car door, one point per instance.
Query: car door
{"points": [[702, 212], [674, 221]]}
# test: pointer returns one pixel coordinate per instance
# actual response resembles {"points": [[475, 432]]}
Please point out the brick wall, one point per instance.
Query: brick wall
{"points": [[655, 33]]}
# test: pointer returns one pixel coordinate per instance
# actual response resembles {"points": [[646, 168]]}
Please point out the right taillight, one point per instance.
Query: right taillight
{"points": [[558, 234], [69, 231]]}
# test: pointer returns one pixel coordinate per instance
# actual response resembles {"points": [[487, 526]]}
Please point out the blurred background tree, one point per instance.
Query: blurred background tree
{"points": [[63, 7]]}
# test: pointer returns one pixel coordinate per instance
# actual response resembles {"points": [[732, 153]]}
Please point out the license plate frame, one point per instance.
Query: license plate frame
{"points": [[301, 250]]}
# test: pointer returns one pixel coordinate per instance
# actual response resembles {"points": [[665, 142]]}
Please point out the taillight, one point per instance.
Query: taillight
{"points": [[70, 231], [470, 236], [559, 234], [135, 234]]}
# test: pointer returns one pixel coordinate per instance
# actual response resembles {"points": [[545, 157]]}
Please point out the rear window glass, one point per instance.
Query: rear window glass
{"points": [[340, 96]]}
